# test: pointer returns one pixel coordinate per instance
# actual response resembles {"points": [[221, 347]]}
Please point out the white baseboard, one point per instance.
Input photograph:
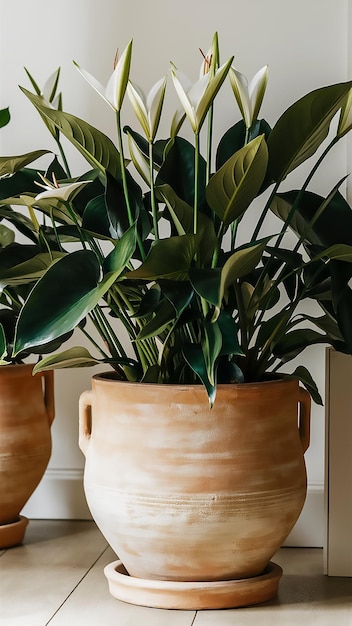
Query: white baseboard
{"points": [[60, 495]]}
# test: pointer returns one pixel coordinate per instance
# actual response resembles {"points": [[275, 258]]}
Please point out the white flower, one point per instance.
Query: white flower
{"points": [[148, 108], [250, 95], [345, 121], [63, 192], [115, 89], [197, 99]]}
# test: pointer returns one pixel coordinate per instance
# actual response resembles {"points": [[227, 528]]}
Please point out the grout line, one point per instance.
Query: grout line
{"points": [[194, 619], [77, 584]]}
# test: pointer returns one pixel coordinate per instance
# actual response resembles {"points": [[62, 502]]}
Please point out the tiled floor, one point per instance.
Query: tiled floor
{"points": [[57, 578]]}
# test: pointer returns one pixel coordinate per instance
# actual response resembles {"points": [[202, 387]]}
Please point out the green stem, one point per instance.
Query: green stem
{"points": [[209, 143], [152, 193], [124, 181], [196, 183], [64, 160]]}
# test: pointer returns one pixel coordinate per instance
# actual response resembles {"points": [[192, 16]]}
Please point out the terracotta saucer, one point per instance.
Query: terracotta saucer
{"points": [[165, 594], [13, 534]]}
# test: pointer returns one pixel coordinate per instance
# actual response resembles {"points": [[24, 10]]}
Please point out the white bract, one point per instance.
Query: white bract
{"points": [[115, 89], [249, 95], [148, 107], [197, 98]]}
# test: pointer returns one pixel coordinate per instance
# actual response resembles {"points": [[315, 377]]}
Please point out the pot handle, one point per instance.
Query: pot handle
{"points": [[304, 401], [85, 420], [48, 391]]}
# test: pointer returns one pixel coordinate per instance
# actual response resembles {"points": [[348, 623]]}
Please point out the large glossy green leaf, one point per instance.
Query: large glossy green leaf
{"points": [[207, 283], [164, 316], [11, 164], [334, 224], [234, 186], [239, 264], [178, 171], [302, 374], [302, 128], [291, 344], [28, 271], [59, 300], [194, 356], [340, 252], [181, 216], [96, 147], [67, 291], [211, 345], [168, 259], [77, 356]]}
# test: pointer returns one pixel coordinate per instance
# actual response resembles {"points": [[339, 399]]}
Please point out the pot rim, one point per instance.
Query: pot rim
{"points": [[109, 378]]}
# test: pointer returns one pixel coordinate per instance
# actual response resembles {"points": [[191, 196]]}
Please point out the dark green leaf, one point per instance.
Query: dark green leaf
{"points": [[301, 373], [234, 186], [194, 356], [11, 164], [96, 147], [168, 259], [59, 300], [302, 128]]}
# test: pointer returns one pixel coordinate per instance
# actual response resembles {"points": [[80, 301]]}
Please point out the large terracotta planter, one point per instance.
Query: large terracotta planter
{"points": [[193, 495], [26, 414]]}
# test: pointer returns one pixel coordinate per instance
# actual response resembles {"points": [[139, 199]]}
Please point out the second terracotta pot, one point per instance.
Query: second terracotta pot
{"points": [[26, 414]]}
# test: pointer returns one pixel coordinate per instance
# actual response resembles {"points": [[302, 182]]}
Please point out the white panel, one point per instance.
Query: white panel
{"points": [[338, 495]]}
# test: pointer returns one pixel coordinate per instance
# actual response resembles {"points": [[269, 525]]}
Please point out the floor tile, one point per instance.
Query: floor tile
{"points": [[37, 577], [305, 595], [92, 605]]}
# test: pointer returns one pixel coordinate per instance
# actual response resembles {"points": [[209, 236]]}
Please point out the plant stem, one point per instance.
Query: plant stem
{"points": [[64, 160], [209, 143], [196, 183], [124, 181], [152, 193]]}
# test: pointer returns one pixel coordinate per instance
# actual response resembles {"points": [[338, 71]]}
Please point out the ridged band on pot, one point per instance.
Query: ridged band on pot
{"points": [[184, 492], [26, 414]]}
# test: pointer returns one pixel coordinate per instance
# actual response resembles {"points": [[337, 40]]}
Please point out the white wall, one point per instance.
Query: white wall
{"points": [[305, 44]]}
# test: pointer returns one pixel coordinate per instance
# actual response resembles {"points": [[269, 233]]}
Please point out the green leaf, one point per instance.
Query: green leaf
{"points": [[239, 264], [11, 164], [294, 342], [96, 147], [193, 355], [234, 186], [59, 300], [302, 374], [181, 217], [165, 315], [3, 346], [207, 283], [73, 357], [28, 271], [341, 252], [7, 236], [168, 258], [118, 258], [211, 345], [302, 128], [178, 293], [4, 117]]}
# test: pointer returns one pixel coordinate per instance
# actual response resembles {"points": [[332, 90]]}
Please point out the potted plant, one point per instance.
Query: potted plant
{"points": [[26, 401], [194, 462]]}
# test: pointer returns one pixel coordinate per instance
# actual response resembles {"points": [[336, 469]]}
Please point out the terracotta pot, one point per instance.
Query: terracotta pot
{"points": [[187, 493], [26, 414]]}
